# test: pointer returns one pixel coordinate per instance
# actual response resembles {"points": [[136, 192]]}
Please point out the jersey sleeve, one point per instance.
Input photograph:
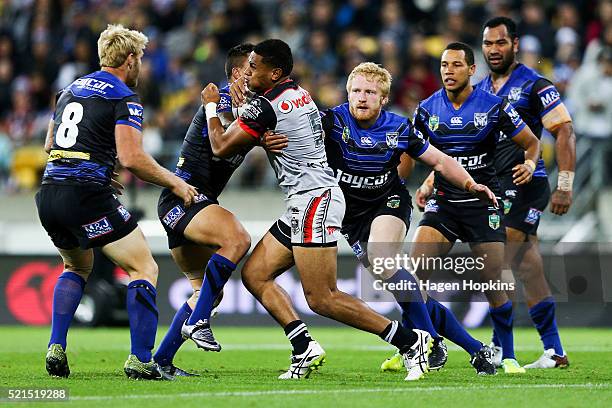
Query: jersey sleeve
{"points": [[257, 117], [546, 100], [129, 111], [327, 121], [510, 122], [225, 103], [419, 119], [417, 144]]}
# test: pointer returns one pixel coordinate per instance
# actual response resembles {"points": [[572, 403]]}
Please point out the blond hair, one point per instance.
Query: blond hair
{"points": [[117, 42], [372, 72]]}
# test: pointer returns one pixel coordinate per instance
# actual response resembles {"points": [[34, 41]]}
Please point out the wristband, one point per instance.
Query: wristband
{"points": [[531, 164], [565, 180], [468, 184], [211, 110]]}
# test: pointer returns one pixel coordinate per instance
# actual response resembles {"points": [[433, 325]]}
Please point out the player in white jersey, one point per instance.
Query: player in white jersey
{"points": [[315, 208]]}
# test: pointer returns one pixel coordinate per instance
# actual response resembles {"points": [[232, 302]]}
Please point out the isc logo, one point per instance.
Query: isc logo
{"points": [[471, 162]]}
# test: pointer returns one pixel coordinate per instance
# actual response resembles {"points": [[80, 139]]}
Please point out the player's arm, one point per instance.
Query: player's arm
{"points": [[49, 137], [224, 143], [512, 125], [132, 156], [452, 171], [556, 119], [424, 191]]}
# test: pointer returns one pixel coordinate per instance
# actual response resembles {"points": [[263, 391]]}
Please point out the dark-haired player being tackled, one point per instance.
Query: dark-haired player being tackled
{"points": [[464, 122], [539, 103]]}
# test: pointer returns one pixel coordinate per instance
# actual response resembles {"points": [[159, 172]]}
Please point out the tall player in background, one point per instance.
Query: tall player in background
{"points": [[98, 118], [539, 103], [198, 245], [464, 122], [315, 207]]}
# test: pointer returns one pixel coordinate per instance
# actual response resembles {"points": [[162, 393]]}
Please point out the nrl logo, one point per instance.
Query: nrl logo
{"points": [[434, 122], [392, 139], [346, 134], [515, 94], [480, 120]]}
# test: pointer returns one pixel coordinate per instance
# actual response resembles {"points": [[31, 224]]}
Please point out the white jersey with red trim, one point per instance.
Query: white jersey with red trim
{"points": [[288, 109]]}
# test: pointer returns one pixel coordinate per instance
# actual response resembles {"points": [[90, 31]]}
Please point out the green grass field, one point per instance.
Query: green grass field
{"points": [[244, 373]]}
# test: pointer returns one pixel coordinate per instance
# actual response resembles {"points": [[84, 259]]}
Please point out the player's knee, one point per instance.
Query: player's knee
{"points": [[237, 244], [82, 271], [148, 271], [322, 303], [193, 299]]}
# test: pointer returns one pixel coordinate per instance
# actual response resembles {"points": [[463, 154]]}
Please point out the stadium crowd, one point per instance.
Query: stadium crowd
{"points": [[46, 44]]}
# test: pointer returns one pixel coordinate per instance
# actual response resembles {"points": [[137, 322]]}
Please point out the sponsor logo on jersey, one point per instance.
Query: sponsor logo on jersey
{"points": [[433, 123], [514, 116], [331, 230], [346, 134], [507, 206], [548, 96], [431, 206], [533, 216], [225, 103], [252, 110], [494, 221], [98, 228], [366, 140], [135, 109], [515, 94], [285, 106], [92, 84], [173, 216], [125, 214], [480, 120], [456, 121], [356, 247], [510, 193], [199, 198], [393, 201], [295, 226], [369, 182], [471, 162]]}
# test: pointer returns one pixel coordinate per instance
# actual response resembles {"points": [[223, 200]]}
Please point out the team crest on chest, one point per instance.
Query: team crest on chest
{"points": [[480, 120], [515, 94], [434, 122], [346, 134], [392, 139]]}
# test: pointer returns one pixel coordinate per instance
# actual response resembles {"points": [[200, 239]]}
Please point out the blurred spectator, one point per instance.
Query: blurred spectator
{"points": [[291, 29], [319, 56], [534, 23]]}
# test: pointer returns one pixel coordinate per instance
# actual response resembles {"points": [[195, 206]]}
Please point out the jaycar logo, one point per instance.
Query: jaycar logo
{"points": [[285, 106]]}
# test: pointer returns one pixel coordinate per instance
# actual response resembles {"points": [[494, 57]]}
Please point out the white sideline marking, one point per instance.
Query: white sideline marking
{"points": [[336, 391]]}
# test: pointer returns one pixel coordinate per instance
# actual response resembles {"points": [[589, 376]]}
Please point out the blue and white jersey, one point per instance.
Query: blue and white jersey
{"points": [[365, 160], [533, 96], [86, 113], [468, 134]]}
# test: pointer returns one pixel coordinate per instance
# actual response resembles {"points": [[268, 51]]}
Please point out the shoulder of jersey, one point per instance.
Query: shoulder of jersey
{"points": [[528, 72], [486, 96], [278, 90], [100, 83], [432, 97]]}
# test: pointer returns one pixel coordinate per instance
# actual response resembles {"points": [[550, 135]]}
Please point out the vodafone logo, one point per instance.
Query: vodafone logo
{"points": [[285, 106]]}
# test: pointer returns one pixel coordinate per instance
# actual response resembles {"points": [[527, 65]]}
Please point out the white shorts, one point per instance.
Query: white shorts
{"points": [[315, 216]]}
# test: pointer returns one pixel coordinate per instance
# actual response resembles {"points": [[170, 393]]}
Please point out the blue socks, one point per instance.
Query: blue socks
{"points": [[173, 339], [449, 327], [412, 303], [142, 314], [543, 316], [502, 318], [218, 271], [66, 298]]}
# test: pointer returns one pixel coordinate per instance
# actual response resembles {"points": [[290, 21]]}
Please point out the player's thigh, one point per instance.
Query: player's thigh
{"points": [[386, 240], [269, 259], [317, 267], [191, 260], [428, 242], [77, 260], [133, 255], [214, 225]]}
